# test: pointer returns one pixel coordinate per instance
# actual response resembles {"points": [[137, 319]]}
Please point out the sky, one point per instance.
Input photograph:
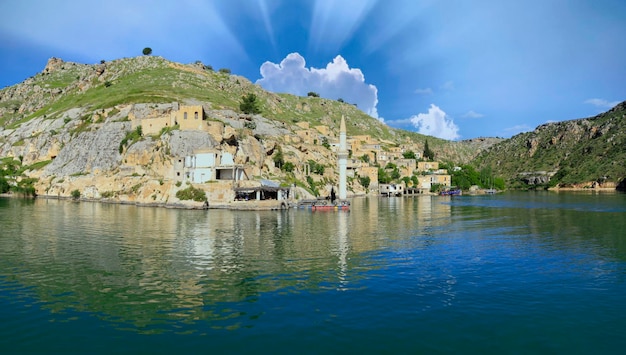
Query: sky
{"points": [[455, 69]]}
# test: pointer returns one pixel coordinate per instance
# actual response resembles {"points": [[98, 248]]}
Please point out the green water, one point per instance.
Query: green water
{"points": [[507, 273]]}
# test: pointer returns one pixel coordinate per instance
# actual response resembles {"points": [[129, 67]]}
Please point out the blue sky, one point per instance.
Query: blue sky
{"points": [[455, 69]]}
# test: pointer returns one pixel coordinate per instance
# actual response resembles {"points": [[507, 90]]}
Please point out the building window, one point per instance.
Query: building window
{"points": [[195, 115], [185, 115]]}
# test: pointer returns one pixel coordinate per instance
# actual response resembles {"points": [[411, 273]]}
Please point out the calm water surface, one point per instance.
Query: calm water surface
{"points": [[508, 273]]}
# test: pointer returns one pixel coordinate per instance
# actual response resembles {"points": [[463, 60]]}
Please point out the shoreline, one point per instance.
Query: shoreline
{"points": [[183, 205]]}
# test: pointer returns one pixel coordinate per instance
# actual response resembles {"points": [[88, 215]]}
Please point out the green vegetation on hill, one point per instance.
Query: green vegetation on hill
{"points": [[63, 86], [570, 153]]}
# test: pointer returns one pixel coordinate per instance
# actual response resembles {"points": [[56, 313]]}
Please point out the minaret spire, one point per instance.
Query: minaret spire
{"points": [[342, 156]]}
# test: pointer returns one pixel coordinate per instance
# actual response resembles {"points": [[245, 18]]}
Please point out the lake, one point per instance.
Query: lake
{"points": [[519, 272]]}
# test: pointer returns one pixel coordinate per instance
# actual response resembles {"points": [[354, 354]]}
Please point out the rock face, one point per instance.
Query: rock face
{"points": [[89, 152], [74, 127]]}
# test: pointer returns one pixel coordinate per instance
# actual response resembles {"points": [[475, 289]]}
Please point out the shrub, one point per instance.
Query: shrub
{"points": [[4, 185], [409, 154], [250, 125], [313, 94], [365, 181], [325, 143], [191, 193], [132, 136], [75, 194], [316, 168], [147, 51], [249, 104], [224, 70], [288, 167], [312, 185]]}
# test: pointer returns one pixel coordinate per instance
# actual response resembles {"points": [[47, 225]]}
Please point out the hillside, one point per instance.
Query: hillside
{"points": [[589, 152], [75, 127]]}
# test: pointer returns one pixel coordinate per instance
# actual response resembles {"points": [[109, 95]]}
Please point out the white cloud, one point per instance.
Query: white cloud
{"points": [[448, 86], [517, 129], [426, 91], [335, 81], [602, 103], [472, 114], [436, 123]]}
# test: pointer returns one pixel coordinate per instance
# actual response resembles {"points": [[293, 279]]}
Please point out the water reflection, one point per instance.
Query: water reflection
{"points": [[145, 268]]}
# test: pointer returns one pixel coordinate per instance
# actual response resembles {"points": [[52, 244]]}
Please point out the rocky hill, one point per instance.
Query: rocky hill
{"points": [[73, 127], [589, 152]]}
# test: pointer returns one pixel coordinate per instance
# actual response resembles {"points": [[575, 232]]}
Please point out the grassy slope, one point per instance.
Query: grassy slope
{"points": [[584, 150], [150, 79]]}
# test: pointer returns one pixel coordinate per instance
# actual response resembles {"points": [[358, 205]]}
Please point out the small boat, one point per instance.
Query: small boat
{"points": [[451, 192], [330, 208], [323, 205]]}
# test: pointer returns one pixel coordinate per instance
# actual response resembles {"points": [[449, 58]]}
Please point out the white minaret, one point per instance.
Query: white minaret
{"points": [[343, 160]]}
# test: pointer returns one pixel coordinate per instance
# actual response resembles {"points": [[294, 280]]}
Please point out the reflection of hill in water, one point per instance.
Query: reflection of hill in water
{"points": [[151, 266], [132, 263]]}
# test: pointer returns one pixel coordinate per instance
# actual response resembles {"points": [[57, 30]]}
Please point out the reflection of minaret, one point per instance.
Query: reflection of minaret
{"points": [[343, 247], [343, 160]]}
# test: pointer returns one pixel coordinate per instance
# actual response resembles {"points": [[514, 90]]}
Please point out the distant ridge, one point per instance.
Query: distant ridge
{"points": [[581, 153]]}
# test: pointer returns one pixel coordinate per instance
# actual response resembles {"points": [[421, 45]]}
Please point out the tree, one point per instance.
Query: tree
{"points": [[279, 160], [340, 100], [383, 178], [249, 104], [75, 194], [466, 177], [147, 51], [409, 154], [365, 181], [395, 173], [313, 94], [325, 143], [4, 185], [428, 154]]}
